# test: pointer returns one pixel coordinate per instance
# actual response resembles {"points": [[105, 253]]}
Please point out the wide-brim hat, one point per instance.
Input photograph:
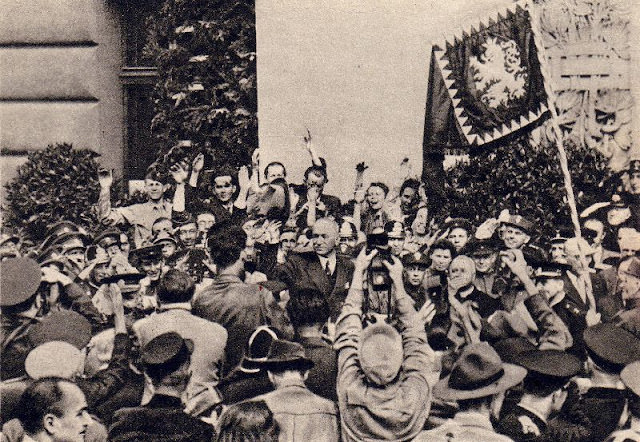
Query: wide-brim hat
{"points": [[65, 325], [83, 237], [284, 355], [57, 230], [478, 372], [163, 237], [19, 280], [54, 358], [258, 347], [630, 376]]}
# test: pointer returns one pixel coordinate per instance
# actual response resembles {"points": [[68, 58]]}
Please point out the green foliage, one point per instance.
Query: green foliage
{"points": [[57, 183], [527, 179], [221, 118]]}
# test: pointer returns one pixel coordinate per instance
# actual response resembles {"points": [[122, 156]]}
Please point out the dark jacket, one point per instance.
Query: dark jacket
{"points": [[322, 376], [331, 203], [162, 419], [240, 308], [196, 202], [303, 270]]}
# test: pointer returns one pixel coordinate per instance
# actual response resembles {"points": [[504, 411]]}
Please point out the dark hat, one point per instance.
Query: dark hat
{"points": [[510, 349], [414, 259], [165, 349], [634, 166], [394, 229], [65, 325], [59, 229], [611, 347], [19, 280], [550, 270], [5, 237], [550, 363], [60, 240], [108, 238], [481, 247], [533, 255], [258, 348], [520, 222], [459, 223], [274, 286], [562, 234], [631, 377], [152, 252], [285, 355], [478, 372]]}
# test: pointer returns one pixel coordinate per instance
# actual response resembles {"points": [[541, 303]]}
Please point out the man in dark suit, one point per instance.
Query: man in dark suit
{"points": [[311, 198], [321, 269], [166, 360]]}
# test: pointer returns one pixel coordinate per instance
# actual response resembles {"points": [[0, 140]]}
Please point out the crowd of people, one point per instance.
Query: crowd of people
{"points": [[242, 307]]}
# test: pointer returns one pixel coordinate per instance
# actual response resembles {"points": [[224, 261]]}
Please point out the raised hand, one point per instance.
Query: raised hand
{"points": [[180, 172], [198, 163], [105, 178]]}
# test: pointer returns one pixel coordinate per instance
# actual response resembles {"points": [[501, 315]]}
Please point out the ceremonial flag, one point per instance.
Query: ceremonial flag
{"points": [[485, 82]]}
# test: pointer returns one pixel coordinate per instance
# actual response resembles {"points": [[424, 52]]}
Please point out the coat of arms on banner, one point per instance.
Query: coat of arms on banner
{"points": [[492, 75]]}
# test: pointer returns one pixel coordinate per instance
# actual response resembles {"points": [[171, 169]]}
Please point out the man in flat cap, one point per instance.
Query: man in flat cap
{"points": [[301, 414], [602, 400], [477, 379], [383, 375], [545, 390], [166, 360]]}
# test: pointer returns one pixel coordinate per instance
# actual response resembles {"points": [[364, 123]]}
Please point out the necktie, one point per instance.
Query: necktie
{"points": [[327, 269]]}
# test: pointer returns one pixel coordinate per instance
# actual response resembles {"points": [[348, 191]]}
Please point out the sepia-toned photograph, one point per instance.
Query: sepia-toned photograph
{"points": [[319, 221]]}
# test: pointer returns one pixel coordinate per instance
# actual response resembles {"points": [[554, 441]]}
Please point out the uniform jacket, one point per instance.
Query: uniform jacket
{"points": [[209, 341], [522, 425], [603, 408], [466, 426], [399, 410], [162, 419], [304, 270], [240, 308], [302, 415]]}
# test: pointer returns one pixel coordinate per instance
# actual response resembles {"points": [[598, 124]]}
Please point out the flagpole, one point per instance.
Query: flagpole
{"points": [[562, 154]]}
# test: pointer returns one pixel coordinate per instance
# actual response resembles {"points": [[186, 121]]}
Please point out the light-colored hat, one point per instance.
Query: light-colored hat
{"points": [[382, 365], [54, 358], [573, 246]]}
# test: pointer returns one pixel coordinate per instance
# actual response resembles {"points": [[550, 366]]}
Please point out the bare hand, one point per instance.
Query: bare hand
{"points": [[52, 275], [592, 317], [514, 259], [395, 271], [363, 260], [255, 159], [180, 172], [198, 163], [313, 192], [307, 140], [359, 196], [105, 178], [427, 312]]}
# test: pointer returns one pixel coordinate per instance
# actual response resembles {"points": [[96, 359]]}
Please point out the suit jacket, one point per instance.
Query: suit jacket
{"points": [[302, 415], [240, 308], [304, 270], [522, 425], [209, 341], [162, 419], [197, 202], [331, 203]]}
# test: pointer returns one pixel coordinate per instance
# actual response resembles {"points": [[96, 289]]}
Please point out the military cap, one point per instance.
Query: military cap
{"points": [[562, 234], [150, 252], [108, 238], [64, 325], [520, 222], [394, 229], [459, 223], [550, 270], [20, 279], [54, 358], [59, 229], [82, 240], [166, 349], [417, 258], [481, 247], [631, 377], [549, 363], [611, 347]]}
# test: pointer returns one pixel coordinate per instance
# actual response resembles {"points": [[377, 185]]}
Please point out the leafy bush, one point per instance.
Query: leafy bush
{"points": [[526, 179], [57, 183]]}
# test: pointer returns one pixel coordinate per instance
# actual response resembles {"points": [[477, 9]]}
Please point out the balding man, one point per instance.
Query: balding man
{"points": [[321, 269]]}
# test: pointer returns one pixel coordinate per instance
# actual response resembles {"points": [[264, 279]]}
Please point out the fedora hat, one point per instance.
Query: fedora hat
{"points": [[285, 355], [258, 348], [478, 372]]}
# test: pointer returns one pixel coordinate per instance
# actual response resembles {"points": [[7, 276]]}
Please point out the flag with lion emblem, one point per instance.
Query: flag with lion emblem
{"points": [[485, 82]]}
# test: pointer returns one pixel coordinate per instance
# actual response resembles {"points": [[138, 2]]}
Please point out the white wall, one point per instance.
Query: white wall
{"points": [[354, 73]]}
